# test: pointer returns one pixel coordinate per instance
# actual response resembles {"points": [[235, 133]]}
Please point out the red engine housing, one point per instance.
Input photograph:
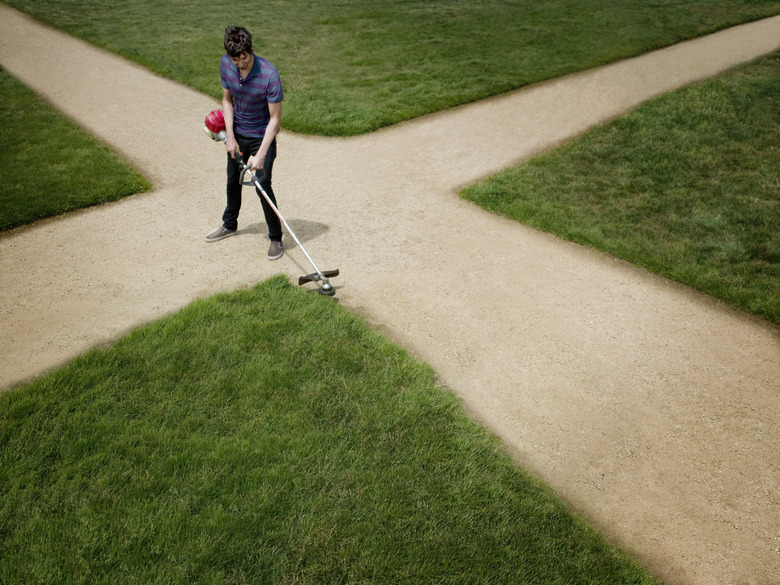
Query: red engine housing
{"points": [[215, 121]]}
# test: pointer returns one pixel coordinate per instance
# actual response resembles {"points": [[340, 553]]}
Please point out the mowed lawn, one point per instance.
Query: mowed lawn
{"points": [[687, 186], [352, 67], [268, 436], [49, 165]]}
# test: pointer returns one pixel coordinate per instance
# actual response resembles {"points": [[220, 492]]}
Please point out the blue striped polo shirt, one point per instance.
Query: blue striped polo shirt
{"points": [[252, 95]]}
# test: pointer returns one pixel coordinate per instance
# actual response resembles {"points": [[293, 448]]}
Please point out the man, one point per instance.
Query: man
{"points": [[252, 105]]}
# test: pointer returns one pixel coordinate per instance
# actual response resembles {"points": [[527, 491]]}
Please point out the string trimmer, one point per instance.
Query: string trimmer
{"points": [[215, 128]]}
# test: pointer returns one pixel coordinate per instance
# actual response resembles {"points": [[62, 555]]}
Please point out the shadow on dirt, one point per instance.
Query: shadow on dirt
{"points": [[305, 230]]}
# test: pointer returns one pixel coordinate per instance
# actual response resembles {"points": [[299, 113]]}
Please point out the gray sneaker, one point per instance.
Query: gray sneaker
{"points": [[275, 251], [219, 234]]}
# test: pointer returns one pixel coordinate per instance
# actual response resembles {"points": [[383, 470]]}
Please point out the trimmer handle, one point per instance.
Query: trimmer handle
{"points": [[250, 181], [259, 174]]}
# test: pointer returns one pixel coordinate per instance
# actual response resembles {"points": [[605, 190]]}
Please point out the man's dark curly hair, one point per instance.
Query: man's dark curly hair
{"points": [[237, 41]]}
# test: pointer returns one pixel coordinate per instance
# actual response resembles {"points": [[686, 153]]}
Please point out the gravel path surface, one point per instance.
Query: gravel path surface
{"points": [[651, 409]]}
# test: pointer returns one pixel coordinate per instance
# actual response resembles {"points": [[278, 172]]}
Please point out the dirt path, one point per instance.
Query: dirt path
{"points": [[651, 409]]}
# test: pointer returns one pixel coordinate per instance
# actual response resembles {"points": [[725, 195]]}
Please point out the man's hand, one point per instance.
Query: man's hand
{"points": [[256, 162], [231, 146]]}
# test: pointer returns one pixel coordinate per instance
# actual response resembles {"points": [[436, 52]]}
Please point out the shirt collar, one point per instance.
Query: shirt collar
{"points": [[252, 72]]}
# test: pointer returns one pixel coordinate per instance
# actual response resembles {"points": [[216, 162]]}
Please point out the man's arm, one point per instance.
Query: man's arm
{"points": [[227, 111], [256, 162]]}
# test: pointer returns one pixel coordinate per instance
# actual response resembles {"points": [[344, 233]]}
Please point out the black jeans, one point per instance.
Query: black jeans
{"points": [[249, 145]]}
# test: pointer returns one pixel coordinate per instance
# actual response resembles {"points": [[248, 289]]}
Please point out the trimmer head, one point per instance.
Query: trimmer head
{"points": [[327, 288]]}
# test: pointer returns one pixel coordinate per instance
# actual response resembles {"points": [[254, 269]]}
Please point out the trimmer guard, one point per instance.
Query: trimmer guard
{"points": [[314, 277]]}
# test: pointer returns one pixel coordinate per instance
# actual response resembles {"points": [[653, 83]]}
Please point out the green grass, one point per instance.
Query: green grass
{"points": [[687, 186], [48, 165], [352, 66], [267, 436]]}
